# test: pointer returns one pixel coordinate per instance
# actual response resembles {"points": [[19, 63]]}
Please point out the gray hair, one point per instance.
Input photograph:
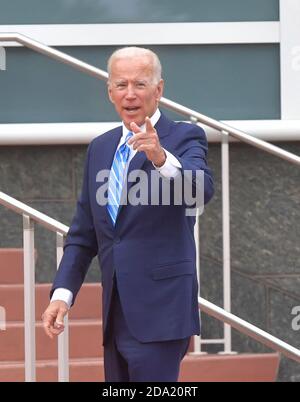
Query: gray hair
{"points": [[132, 51]]}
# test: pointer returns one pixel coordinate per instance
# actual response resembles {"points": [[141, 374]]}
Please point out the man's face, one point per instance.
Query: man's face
{"points": [[132, 89]]}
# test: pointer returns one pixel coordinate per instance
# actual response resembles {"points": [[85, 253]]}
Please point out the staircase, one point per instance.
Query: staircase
{"points": [[86, 352]]}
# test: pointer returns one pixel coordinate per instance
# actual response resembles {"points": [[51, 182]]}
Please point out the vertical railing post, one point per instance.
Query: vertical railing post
{"points": [[197, 339], [63, 338], [29, 299], [197, 343], [226, 237]]}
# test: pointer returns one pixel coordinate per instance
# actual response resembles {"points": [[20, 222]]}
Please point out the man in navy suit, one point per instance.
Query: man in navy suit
{"points": [[146, 250]]}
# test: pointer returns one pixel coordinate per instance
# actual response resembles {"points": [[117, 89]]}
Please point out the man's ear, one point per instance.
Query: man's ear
{"points": [[160, 89], [109, 91]]}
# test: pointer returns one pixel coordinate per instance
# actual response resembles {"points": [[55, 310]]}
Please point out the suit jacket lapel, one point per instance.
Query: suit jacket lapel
{"points": [[107, 156]]}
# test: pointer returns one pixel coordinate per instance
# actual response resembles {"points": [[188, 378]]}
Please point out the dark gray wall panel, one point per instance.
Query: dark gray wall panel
{"points": [[35, 88], [225, 82], [126, 11]]}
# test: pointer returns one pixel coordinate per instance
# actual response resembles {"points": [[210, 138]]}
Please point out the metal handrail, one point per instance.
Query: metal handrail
{"points": [[176, 107], [21, 209], [207, 307], [250, 330]]}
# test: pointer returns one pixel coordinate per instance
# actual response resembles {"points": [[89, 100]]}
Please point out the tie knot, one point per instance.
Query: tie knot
{"points": [[124, 149]]}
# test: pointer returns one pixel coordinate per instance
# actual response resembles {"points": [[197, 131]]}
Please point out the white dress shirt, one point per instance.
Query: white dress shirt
{"points": [[171, 168]]}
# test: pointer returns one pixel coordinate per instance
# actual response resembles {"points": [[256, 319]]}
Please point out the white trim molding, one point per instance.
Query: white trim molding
{"points": [[290, 58], [83, 133], [181, 33]]}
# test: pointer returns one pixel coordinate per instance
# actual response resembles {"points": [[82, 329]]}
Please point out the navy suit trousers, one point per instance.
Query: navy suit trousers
{"points": [[126, 359]]}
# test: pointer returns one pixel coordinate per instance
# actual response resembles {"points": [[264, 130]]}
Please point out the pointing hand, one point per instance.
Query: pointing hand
{"points": [[148, 141]]}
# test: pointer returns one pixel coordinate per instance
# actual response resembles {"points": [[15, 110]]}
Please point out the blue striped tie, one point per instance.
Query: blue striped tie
{"points": [[116, 178]]}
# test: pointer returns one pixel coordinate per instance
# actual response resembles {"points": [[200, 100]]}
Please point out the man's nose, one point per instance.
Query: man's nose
{"points": [[130, 94]]}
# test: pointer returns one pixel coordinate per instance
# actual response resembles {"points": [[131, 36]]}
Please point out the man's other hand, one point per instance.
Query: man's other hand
{"points": [[53, 318]]}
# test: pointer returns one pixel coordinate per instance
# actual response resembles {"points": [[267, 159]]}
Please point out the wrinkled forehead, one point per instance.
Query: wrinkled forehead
{"points": [[132, 67]]}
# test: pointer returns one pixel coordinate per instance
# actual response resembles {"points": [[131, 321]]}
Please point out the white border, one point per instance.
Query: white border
{"points": [[83, 133], [290, 58], [192, 33]]}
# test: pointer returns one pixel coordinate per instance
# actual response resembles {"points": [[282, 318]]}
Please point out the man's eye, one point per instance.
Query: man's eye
{"points": [[140, 85], [120, 86]]}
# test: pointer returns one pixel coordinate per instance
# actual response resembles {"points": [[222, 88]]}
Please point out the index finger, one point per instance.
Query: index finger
{"points": [[149, 127]]}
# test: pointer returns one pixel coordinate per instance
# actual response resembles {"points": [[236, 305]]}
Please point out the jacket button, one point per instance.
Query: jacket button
{"points": [[117, 240]]}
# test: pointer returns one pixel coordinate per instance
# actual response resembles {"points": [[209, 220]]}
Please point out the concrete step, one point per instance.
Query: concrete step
{"points": [[227, 368], [88, 302], [11, 266], [85, 341], [81, 370], [210, 368]]}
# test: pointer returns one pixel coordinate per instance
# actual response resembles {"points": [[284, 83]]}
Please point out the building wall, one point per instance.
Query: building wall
{"points": [[224, 81], [132, 11], [230, 82]]}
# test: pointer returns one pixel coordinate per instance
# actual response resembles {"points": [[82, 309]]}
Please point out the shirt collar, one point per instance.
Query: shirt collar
{"points": [[154, 119]]}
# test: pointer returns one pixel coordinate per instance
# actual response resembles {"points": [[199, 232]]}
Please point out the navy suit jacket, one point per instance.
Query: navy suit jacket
{"points": [[151, 250]]}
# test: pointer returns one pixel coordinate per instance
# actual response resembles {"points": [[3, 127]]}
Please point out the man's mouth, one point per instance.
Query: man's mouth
{"points": [[131, 109]]}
